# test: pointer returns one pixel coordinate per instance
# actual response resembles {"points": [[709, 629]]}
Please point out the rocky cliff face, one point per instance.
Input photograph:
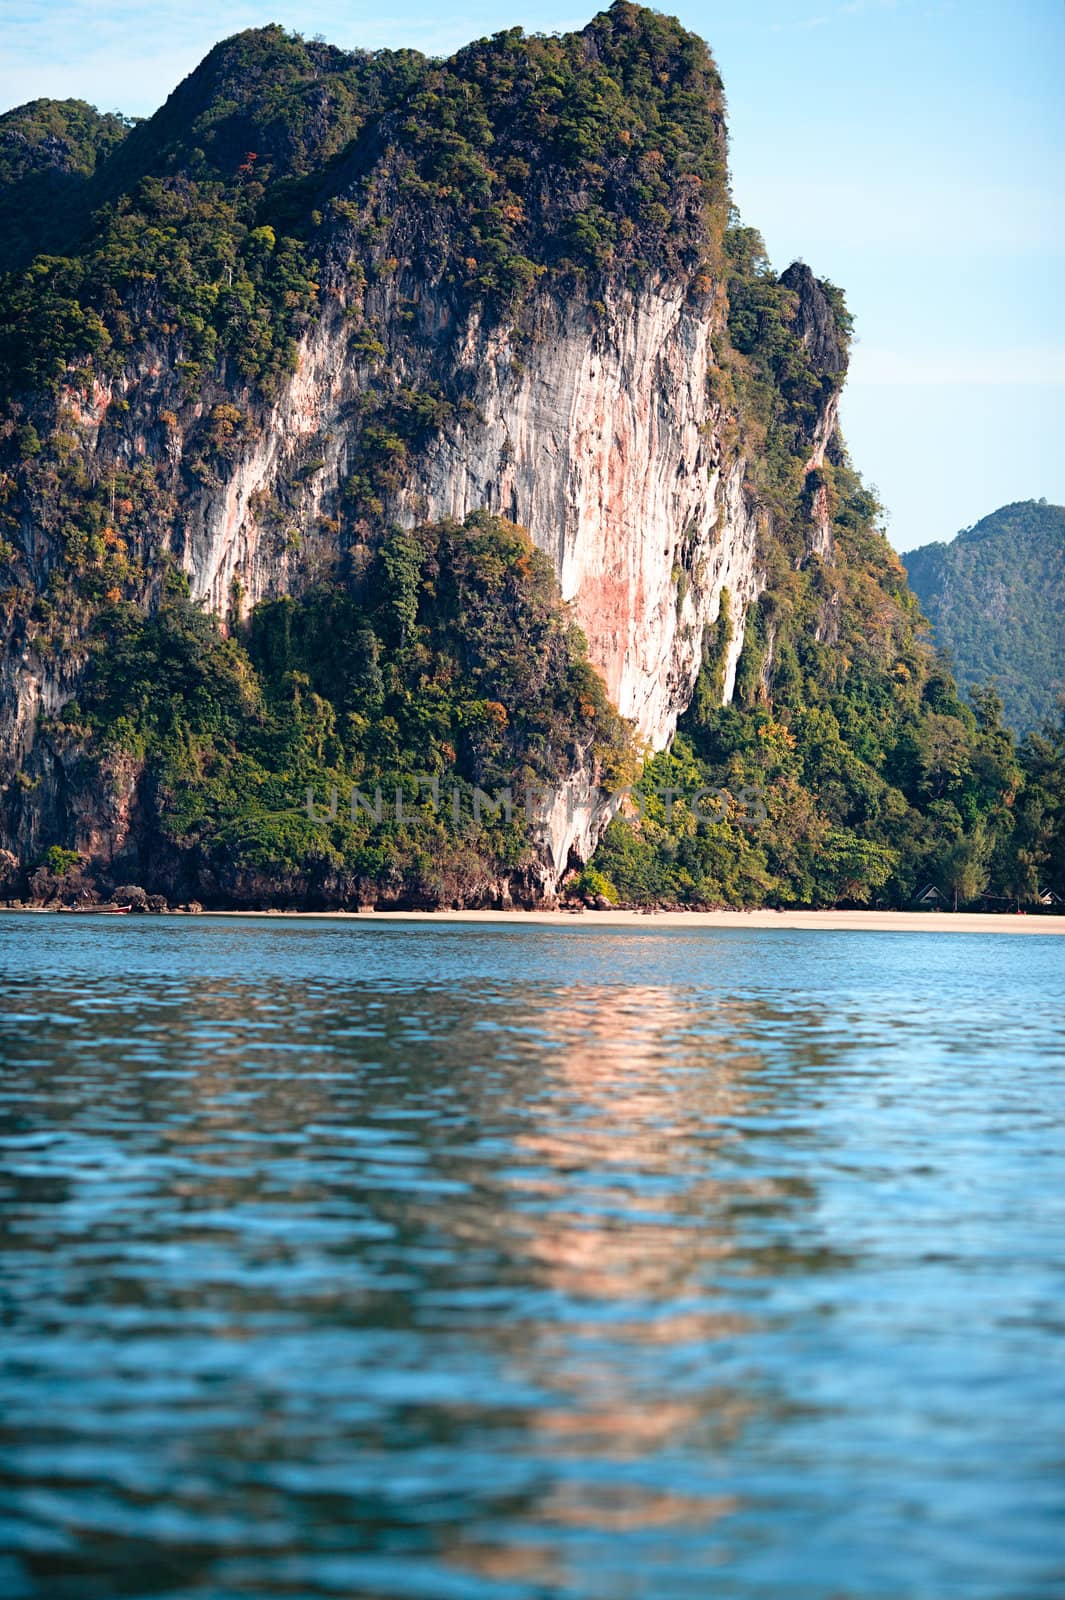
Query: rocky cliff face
{"points": [[602, 438], [592, 412]]}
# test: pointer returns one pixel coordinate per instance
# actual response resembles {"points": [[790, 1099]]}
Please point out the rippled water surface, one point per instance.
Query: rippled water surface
{"points": [[514, 1262]]}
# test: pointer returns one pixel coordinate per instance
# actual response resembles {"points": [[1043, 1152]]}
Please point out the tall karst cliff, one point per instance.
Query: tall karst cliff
{"points": [[322, 295]]}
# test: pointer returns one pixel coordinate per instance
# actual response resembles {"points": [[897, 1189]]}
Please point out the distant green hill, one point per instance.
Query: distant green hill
{"points": [[996, 597]]}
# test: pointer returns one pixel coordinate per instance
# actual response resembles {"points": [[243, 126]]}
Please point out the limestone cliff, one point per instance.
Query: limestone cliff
{"points": [[600, 404], [603, 440]]}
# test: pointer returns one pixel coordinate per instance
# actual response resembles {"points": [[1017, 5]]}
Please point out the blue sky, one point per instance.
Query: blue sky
{"points": [[911, 150]]}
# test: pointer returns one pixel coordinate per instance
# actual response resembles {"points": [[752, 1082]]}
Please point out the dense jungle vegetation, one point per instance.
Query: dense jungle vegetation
{"points": [[450, 674]]}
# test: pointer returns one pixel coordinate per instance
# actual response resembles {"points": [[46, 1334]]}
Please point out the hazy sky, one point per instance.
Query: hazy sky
{"points": [[911, 150]]}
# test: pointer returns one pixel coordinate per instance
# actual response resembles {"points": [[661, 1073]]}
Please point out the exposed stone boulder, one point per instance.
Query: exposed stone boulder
{"points": [[131, 894]]}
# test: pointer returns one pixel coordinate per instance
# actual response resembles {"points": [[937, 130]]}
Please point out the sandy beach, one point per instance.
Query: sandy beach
{"points": [[827, 921]]}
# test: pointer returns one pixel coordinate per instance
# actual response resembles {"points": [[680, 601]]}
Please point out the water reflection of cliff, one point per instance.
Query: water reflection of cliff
{"points": [[616, 1208], [622, 1198]]}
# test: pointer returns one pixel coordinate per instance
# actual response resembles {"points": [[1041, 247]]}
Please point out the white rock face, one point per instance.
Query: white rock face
{"points": [[599, 436], [600, 442]]}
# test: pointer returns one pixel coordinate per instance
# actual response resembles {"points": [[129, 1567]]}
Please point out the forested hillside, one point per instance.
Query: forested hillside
{"points": [[995, 596]]}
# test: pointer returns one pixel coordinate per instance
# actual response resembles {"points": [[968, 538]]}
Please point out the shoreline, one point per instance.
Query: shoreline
{"points": [[648, 921]]}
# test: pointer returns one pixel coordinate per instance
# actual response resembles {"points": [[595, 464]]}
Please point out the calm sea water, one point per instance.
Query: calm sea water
{"points": [[463, 1264]]}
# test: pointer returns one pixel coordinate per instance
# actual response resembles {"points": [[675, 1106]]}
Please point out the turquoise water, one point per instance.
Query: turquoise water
{"points": [[476, 1263]]}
